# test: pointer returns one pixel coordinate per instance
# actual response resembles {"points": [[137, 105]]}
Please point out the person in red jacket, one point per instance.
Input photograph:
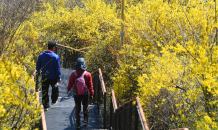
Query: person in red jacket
{"points": [[80, 68]]}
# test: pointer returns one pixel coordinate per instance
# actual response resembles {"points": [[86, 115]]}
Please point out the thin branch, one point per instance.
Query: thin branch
{"points": [[183, 35], [155, 45], [15, 126], [188, 51], [189, 22]]}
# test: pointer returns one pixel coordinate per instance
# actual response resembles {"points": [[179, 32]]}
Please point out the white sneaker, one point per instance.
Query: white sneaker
{"points": [[46, 109], [54, 103]]}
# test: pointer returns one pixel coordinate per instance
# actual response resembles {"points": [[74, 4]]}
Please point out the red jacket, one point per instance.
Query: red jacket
{"points": [[88, 80]]}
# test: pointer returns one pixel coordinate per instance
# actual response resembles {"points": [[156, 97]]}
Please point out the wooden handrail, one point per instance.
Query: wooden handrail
{"points": [[104, 89], [136, 99], [71, 48], [126, 103], [181, 129], [114, 99], [142, 114], [102, 81], [44, 127], [115, 103]]}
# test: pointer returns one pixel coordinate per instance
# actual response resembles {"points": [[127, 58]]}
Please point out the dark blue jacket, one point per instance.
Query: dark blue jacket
{"points": [[49, 63]]}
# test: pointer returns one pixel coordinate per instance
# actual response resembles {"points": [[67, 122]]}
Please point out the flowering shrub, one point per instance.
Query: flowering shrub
{"points": [[168, 57], [173, 51], [18, 107], [18, 102]]}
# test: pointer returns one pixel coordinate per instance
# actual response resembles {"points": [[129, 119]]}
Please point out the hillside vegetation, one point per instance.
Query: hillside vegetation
{"points": [[168, 57]]}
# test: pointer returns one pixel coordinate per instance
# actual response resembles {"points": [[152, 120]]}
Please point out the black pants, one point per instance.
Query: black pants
{"points": [[45, 87], [85, 102]]}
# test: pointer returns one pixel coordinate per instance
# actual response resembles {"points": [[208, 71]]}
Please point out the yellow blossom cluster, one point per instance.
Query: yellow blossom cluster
{"points": [[168, 57], [18, 104]]}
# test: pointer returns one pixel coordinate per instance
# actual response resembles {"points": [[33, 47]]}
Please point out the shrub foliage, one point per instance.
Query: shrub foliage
{"points": [[168, 57]]}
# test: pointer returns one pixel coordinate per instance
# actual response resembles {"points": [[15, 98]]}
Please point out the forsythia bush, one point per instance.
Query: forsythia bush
{"points": [[173, 51], [168, 57], [18, 106], [19, 50]]}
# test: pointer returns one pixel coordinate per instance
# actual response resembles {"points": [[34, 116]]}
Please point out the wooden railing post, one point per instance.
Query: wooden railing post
{"points": [[119, 124]]}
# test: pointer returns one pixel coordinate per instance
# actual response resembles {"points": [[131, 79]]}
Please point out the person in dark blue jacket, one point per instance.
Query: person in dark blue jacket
{"points": [[48, 65]]}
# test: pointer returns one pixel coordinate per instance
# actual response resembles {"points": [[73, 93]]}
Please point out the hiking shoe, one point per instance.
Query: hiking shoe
{"points": [[54, 103], [77, 125], [45, 109]]}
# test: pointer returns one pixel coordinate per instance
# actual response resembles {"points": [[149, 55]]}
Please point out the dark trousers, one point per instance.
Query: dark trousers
{"points": [[45, 87], [85, 102]]}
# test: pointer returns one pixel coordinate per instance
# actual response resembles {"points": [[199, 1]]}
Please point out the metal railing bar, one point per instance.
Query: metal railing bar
{"points": [[113, 103], [104, 89], [100, 113], [130, 116], [114, 100], [111, 113], [102, 81], [105, 96], [119, 115], [94, 83], [125, 113], [116, 120], [142, 114], [140, 117], [117, 110], [101, 85], [136, 118], [126, 103], [98, 89]]}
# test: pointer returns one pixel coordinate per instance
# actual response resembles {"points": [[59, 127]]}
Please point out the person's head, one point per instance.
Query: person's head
{"points": [[51, 45], [80, 64]]}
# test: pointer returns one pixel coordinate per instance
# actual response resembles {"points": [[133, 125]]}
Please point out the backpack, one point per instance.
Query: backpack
{"points": [[80, 84]]}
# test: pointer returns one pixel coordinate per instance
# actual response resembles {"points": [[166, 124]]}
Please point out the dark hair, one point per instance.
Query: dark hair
{"points": [[51, 44]]}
